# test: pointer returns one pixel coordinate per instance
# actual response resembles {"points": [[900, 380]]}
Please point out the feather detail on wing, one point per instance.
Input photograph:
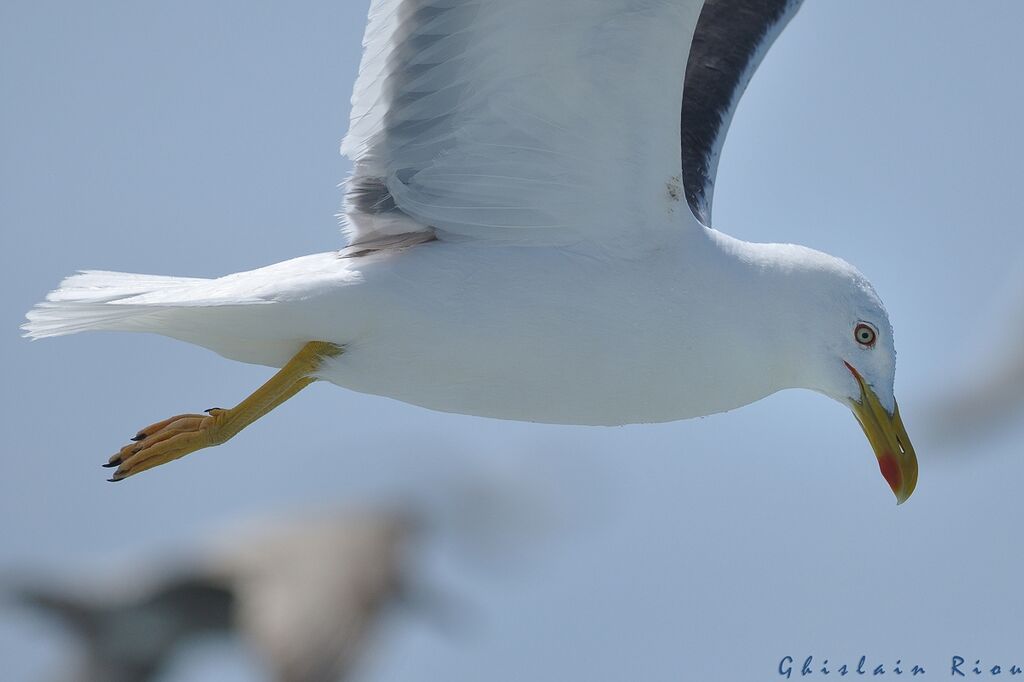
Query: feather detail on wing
{"points": [[528, 122]]}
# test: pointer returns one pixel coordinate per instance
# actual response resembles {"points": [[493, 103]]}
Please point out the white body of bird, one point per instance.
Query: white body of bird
{"points": [[703, 325]]}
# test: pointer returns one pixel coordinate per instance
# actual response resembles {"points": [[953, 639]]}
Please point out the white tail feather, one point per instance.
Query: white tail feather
{"points": [[95, 300]]}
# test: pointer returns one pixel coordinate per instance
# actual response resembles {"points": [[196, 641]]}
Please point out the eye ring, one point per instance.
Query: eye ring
{"points": [[865, 335]]}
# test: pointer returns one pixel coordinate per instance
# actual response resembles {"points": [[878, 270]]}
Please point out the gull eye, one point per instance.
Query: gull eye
{"points": [[865, 335]]}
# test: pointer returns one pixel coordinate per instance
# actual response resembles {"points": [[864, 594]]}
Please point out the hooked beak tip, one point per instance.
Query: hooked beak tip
{"points": [[888, 437]]}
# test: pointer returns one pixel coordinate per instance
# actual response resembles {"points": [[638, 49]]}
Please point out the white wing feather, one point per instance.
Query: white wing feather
{"points": [[528, 122]]}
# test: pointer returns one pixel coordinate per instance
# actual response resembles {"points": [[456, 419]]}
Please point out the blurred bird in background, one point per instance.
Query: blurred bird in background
{"points": [[305, 595], [988, 399], [306, 591]]}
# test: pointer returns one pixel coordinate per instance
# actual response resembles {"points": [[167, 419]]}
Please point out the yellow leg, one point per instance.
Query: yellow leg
{"points": [[185, 433]]}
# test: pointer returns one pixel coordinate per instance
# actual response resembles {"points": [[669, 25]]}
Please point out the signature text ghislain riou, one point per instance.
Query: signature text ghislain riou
{"points": [[958, 667]]}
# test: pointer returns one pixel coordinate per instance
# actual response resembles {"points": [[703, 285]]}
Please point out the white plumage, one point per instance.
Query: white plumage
{"points": [[520, 241], [525, 122]]}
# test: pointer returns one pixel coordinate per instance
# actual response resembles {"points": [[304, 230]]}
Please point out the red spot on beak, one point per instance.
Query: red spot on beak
{"points": [[891, 471]]}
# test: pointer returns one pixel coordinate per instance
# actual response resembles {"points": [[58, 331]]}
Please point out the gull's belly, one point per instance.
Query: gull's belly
{"points": [[530, 369], [534, 335]]}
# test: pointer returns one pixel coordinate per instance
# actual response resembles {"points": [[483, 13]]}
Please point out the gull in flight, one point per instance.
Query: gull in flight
{"points": [[530, 238]]}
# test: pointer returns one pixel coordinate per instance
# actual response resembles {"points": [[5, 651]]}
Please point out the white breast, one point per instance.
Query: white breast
{"points": [[547, 335]]}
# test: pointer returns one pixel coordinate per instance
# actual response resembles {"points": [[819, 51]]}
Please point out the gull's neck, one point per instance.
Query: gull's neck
{"points": [[761, 301]]}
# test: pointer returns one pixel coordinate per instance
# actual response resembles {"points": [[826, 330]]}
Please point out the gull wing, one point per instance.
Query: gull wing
{"points": [[731, 39], [534, 122], [132, 634]]}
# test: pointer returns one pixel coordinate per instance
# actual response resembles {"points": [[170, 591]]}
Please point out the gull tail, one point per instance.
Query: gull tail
{"points": [[101, 300]]}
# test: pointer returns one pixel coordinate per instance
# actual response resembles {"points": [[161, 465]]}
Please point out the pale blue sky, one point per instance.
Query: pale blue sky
{"points": [[200, 138]]}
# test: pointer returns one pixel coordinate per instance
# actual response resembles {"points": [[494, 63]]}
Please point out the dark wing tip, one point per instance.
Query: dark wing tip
{"points": [[731, 38]]}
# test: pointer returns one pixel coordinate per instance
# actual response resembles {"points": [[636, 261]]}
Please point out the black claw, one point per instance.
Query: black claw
{"points": [[110, 465], [115, 479], [137, 437], [212, 409]]}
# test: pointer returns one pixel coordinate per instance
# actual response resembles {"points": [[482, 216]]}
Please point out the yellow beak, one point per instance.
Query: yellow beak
{"points": [[888, 438]]}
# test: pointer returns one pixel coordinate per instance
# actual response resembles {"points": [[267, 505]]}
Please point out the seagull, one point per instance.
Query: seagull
{"points": [[986, 394], [305, 593], [530, 238]]}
